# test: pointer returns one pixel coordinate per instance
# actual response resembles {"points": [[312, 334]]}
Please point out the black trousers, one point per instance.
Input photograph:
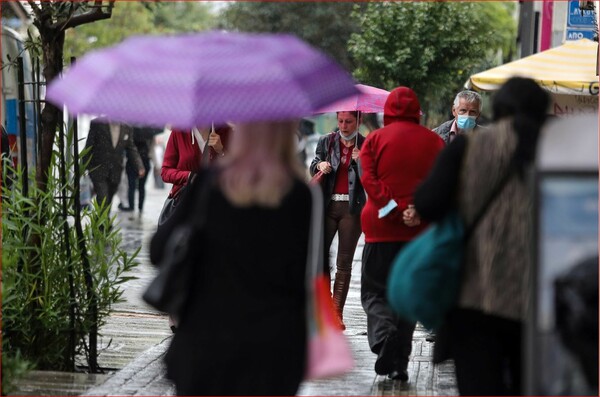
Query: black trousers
{"points": [[487, 353], [105, 190], [136, 183], [381, 320]]}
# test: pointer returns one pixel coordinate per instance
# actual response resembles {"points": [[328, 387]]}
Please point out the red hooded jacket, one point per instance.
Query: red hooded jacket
{"points": [[394, 160]]}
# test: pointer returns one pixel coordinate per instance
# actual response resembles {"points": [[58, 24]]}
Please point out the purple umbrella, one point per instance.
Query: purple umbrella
{"points": [[196, 79]]}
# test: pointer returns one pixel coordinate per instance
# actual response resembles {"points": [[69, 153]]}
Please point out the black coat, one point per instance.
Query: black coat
{"points": [[243, 331], [106, 160]]}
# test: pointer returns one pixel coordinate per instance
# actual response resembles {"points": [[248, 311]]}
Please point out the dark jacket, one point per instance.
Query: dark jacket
{"points": [[106, 160], [355, 189]]}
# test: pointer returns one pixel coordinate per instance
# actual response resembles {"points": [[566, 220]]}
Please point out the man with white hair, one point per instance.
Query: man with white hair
{"points": [[466, 111]]}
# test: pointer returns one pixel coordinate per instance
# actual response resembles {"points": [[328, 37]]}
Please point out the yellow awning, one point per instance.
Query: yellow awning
{"points": [[567, 69]]}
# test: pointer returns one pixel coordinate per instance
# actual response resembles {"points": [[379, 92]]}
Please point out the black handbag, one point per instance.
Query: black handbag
{"points": [[170, 205], [169, 290], [171, 202]]}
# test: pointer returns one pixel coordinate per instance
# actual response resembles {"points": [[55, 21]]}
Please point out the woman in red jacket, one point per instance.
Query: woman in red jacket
{"points": [[185, 154], [394, 160]]}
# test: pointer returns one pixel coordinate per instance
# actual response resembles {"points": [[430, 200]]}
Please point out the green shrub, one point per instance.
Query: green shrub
{"points": [[58, 285]]}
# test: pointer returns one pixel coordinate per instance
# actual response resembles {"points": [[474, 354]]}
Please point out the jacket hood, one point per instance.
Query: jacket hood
{"points": [[402, 105]]}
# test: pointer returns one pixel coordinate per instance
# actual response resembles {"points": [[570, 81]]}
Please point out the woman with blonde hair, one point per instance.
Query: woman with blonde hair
{"points": [[243, 329]]}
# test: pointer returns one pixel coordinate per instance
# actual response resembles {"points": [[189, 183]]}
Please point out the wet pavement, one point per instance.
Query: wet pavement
{"points": [[136, 337]]}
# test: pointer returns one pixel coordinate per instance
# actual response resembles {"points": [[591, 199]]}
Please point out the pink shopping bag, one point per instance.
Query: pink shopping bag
{"points": [[329, 352]]}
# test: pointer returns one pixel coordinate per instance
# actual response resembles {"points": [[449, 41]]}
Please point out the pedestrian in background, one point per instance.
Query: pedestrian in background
{"points": [[185, 153], [337, 156], [142, 138], [394, 159], [466, 111], [243, 331], [107, 143], [484, 334]]}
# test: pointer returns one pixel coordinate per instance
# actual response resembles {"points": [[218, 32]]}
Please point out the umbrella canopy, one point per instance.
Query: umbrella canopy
{"points": [[567, 69], [196, 79], [369, 100]]}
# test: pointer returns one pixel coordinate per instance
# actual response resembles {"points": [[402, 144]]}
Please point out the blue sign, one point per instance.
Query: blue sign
{"points": [[579, 18], [577, 34]]}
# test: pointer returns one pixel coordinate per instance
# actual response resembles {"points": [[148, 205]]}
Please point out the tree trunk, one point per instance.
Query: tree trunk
{"points": [[52, 48]]}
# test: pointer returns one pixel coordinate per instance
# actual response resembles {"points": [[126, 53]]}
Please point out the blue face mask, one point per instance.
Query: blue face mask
{"points": [[465, 122]]}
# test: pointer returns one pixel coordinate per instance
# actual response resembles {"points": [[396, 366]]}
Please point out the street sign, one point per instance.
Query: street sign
{"points": [[576, 34], [580, 18]]}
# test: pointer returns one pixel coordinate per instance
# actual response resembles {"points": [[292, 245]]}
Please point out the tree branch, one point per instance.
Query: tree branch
{"points": [[96, 14]]}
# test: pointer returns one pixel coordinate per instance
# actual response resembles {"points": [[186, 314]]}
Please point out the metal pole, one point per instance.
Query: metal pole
{"points": [[37, 100], [85, 261], [22, 126], [70, 354]]}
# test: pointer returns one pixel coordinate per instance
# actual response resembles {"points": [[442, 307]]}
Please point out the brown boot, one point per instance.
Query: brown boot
{"points": [[340, 292]]}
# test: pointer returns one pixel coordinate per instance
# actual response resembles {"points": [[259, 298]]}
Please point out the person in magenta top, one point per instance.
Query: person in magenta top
{"points": [[337, 156], [394, 159]]}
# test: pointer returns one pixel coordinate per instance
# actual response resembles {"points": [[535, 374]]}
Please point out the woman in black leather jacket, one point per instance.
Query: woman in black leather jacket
{"points": [[337, 156]]}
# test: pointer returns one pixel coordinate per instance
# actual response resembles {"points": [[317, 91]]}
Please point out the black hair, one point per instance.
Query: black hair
{"points": [[527, 103]]}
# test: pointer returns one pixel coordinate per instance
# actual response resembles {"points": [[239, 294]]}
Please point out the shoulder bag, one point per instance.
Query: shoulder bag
{"points": [[319, 177], [169, 290], [171, 202], [170, 205], [425, 276]]}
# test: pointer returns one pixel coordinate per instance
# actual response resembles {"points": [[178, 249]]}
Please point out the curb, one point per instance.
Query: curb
{"points": [[144, 376]]}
